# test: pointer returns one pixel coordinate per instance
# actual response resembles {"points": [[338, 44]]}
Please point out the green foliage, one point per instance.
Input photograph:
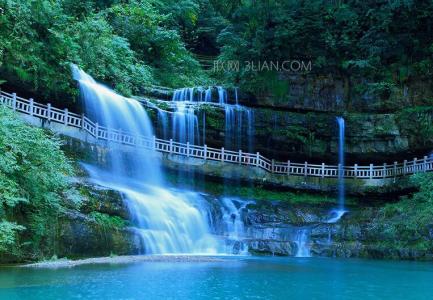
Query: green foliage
{"points": [[33, 178], [416, 122], [107, 221], [386, 43], [123, 44], [406, 223], [8, 236]]}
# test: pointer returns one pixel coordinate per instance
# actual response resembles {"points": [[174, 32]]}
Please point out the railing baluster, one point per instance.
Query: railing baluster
{"points": [[31, 106], [14, 101], [49, 111], [65, 116]]}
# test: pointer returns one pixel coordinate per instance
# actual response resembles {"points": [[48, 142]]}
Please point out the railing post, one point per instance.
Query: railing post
{"points": [[154, 142], [49, 111], [222, 154], [288, 168], [31, 105], [424, 164], [65, 116], [371, 171], [14, 101], [384, 171], [404, 167], [82, 124], [355, 167], [187, 149], [257, 159], [96, 130], [119, 135], [305, 169], [395, 170], [414, 165], [323, 170], [240, 157], [205, 152], [171, 146], [272, 166]]}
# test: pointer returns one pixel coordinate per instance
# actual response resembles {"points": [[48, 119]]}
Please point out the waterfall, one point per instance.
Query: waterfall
{"points": [[166, 221], [234, 228], [185, 124], [208, 95], [236, 96], [222, 95], [117, 112], [239, 128], [163, 123], [336, 214], [341, 188], [302, 241]]}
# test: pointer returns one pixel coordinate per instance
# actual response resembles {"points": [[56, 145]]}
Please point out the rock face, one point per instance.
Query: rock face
{"points": [[82, 236], [334, 93], [361, 233], [313, 136], [98, 228]]}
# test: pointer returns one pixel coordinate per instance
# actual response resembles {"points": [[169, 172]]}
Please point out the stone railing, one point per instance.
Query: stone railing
{"points": [[52, 114]]}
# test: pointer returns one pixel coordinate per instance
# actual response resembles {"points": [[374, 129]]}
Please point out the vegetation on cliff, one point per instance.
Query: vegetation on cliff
{"points": [[376, 49], [409, 223], [33, 182]]}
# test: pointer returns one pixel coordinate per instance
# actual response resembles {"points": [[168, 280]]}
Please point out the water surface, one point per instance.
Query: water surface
{"points": [[235, 278]]}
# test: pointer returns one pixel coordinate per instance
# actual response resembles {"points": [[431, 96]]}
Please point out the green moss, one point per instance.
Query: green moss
{"points": [[107, 221], [256, 192]]}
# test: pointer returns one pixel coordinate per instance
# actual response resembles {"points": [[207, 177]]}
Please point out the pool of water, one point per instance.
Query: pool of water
{"points": [[233, 278]]}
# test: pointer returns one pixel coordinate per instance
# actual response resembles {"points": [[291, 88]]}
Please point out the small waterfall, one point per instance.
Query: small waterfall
{"points": [[234, 228], [250, 130], [302, 241], [163, 123], [208, 95], [341, 187], [229, 129], [222, 95], [239, 128], [236, 96], [184, 94], [185, 124]]}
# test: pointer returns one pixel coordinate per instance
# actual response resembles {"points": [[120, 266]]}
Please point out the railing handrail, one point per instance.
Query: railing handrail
{"points": [[30, 107]]}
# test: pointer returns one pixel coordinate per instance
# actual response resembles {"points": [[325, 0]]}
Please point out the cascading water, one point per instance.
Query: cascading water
{"points": [[222, 95], [340, 211], [303, 242], [341, 188], [163, 123], [208, 95], [234, 228], [185, 124], [166, 221]]}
